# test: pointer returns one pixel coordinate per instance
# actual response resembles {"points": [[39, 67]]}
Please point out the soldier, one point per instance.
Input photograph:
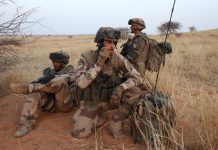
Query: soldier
{"points": [[144, 53], [104, 77], [48, 101], [148, 54]]}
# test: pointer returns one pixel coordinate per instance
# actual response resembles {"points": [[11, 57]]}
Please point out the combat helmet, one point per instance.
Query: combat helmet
{"points": [[60, 56], [137, 22], [107, 33]]}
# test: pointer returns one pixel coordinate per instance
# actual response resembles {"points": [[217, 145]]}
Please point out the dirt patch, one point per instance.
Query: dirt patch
{"points": [[52, 131]]}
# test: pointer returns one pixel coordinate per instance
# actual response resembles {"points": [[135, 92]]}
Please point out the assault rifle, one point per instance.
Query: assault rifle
{"points": [[47, 76]]}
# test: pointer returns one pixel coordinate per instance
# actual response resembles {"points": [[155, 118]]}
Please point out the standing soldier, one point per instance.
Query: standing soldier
{"points": [[134, 47], [154, 114], [48, 101], [142, 52]]}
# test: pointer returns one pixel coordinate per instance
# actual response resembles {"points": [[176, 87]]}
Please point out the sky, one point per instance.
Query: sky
{"points": [[87, 16]]}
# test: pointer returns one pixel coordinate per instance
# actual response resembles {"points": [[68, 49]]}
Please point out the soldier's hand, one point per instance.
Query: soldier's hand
{"points": [[116, 96], [104, 53]]}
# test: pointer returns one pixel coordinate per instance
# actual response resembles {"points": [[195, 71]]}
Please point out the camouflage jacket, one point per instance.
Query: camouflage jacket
{"points": [[65, 70], [87, 71], [136, 50]]}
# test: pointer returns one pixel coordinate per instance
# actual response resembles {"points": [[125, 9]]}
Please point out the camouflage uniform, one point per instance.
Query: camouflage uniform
{"points": [[138, 49], [50, 96], [133, 49], [34, 100], [96, 85], [148, 54]]}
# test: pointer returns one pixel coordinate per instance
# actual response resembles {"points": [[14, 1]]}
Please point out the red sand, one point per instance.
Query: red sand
{"points": [[52, 131]]}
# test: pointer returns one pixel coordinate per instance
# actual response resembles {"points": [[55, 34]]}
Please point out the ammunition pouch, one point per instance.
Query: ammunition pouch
{"points": [[100, 89]]}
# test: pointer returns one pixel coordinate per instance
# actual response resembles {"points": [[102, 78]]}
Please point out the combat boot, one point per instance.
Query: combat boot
{"points": [[22, 130], [21, 88], [116, 129]]}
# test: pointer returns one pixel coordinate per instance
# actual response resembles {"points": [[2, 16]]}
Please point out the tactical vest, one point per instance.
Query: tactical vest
{"points": [[102, 86]]}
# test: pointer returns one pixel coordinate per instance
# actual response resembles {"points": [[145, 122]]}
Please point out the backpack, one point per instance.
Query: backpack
{"points": [[152, 119], [155, 56]]}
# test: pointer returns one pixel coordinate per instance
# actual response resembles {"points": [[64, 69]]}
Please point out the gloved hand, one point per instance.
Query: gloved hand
{"points": [[116, 96], [104, 53]]}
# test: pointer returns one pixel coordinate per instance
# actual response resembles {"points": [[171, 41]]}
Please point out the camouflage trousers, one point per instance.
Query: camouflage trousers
{"points": [[35, 100], [90, 115]]}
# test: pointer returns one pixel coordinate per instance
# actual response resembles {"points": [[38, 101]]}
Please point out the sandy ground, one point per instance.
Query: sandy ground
{"points": [[52, 131]]}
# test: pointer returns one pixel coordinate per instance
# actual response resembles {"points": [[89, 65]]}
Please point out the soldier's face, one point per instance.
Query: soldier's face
{"points": [[109, 44], [58, 65], [132, 29]]}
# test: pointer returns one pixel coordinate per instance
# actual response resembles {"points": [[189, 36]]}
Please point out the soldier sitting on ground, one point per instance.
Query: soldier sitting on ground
{"points": [[101, 77], [49, 101]]}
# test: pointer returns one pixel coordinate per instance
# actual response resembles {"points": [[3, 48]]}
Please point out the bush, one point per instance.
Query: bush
{"points": [[173, 27]]}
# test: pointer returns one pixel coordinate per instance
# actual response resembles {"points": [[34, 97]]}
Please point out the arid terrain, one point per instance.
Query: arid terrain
{"points": [[190, 76]]}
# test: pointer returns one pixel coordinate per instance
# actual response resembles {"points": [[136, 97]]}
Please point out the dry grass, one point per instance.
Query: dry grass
{"points": [[190, 76]]}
